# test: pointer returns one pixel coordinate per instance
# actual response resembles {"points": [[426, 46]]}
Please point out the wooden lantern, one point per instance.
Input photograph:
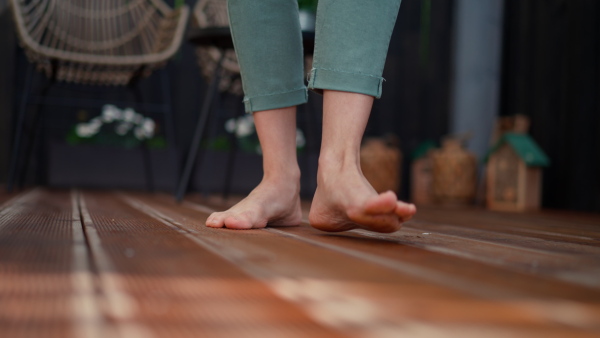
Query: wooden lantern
{"points": [[514, 174], [509, 124], [454, 174], [380, 161]]}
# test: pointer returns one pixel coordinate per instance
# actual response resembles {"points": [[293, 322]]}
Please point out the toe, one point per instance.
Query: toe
{"points": [[383, 203], [241, 221], [379, 223], [405, 210], [215, 220]]}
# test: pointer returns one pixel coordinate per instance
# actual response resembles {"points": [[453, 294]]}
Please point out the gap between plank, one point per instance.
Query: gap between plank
{"points": [[89, 320], [119, 304]]}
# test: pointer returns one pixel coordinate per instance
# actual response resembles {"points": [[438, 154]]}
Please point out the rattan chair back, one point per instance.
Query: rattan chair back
{"points": [[98, 41], [213, 13]]}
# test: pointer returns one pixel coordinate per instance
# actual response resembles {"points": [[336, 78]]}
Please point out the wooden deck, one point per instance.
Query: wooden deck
{"points": [[109, 264]]}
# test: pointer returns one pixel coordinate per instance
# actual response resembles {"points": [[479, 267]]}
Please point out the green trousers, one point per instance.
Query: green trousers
{"points": [[351, 43]]}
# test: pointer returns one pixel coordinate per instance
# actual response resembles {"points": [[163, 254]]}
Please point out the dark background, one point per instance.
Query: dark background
{"points": [[550, 72]]}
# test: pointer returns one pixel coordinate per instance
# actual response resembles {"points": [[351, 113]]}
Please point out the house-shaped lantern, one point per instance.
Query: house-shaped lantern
{"points": [[514, 174]]}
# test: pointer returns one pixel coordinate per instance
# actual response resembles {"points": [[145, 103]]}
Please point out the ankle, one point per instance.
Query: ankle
{"points": [[339, 161], [284, 178]]}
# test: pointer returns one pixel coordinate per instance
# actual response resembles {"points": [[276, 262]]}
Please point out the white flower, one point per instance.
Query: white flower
{"points": [[148, 126], [138, 119], [129, 115], [300, 140], [123, 128], [230, 125], [94, 128], [245, 126], [111, 113], [95, 123], [83, 130], [139, 133]]}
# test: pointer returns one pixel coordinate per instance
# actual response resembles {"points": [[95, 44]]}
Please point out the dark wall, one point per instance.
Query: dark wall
{"points": [[415, 103], [7, 56], [551, 73]]}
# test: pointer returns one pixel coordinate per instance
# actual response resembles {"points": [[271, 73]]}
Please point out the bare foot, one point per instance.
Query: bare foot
{"points": [[270, 203], [345, 200]]}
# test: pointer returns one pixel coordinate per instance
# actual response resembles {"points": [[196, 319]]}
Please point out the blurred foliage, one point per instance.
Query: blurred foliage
{"points": [[112, 139], [308, 5]]}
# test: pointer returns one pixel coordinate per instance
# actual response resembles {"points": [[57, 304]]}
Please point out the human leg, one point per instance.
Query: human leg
{"points": [[276, 200], [350, 50], [344, 199], [268, 44], [269, 48], [351, 44]]}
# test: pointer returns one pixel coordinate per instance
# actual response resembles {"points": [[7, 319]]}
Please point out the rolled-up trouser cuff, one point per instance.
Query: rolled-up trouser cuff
{"points": [[320, 78], [276, 100]]}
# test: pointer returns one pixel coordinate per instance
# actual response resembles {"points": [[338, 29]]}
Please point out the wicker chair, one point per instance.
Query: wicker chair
{"points": [[107, 42], [98, 42], [213, 13]]}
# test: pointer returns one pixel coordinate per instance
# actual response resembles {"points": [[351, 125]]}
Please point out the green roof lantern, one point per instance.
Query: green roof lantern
{"points": [[525, 147], [423, 149]]}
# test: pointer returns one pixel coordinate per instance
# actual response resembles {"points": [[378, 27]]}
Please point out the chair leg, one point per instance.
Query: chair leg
{"points": [[184, 180], [37, 135], [146, 159], [148, 172], [230, 162], [16, 147], [29, 144], [168, 110]]}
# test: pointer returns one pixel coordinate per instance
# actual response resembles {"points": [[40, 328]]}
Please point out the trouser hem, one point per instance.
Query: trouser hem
{"points": [[320, 78], [275, 101]]}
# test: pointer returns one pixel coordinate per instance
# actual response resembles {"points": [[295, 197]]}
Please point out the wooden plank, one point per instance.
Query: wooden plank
{"points": [[44, 288], [571, 261], [547, 292], [529, 225], [508, 239], [89, 317], [578, 269], [117, 304], [6, 197], [176, 287], [308, 268]]}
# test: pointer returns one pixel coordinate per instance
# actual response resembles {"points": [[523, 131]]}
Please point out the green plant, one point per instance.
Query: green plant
{"points": [[308, 5], [116, 127]]}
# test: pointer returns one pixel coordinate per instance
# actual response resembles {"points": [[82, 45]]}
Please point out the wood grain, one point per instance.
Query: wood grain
{"points": [[91, 263]]}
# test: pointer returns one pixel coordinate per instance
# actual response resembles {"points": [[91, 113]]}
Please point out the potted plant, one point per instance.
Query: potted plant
{"points": [[108, 151]]}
